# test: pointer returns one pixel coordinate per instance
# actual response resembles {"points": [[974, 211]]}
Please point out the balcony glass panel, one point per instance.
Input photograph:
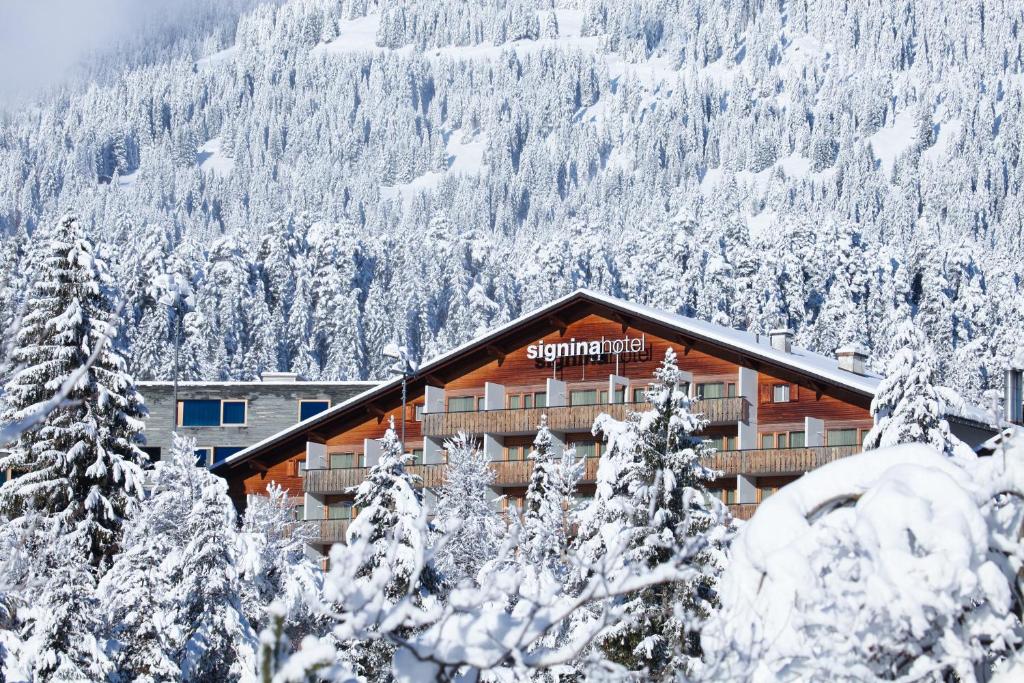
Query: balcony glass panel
{"points": [[461, 404], [583, 397]]}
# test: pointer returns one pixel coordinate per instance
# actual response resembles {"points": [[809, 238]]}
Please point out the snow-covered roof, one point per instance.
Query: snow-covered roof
{"points": [[754, 346], [257, 383]]}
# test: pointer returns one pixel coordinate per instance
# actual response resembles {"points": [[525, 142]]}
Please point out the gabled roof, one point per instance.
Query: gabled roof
{"points": [[746, 348]]}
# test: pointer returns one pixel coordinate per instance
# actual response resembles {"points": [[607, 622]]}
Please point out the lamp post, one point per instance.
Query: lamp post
{"points": [[174, 291], [406, 367]]}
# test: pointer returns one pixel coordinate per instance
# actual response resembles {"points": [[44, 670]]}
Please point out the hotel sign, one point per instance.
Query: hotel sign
{"points": [[594, 348]]}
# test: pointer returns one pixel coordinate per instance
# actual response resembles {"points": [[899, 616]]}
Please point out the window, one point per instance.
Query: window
{"points": [[417, 456], [781, 440], [619, 396], [721, 443], [727, 496], [797, 440], [711, 390], [516, 452], [480, 403], [461, 404], [340, 510], [513, 402], [203, 456], [308, 409], [639, 395], [767, 491], [152, 452], [583, 397], [195, 413], [300, 467], [233, 412], [767, 441], [418, 414], [221, 453], [732, 390], [299, 513], [344, 461], [585, 449], [540, 399], [527, 400], [842, 437], [780, 393]]}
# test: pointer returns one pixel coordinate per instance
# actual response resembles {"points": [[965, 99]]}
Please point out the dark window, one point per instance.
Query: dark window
{"points": [[152, 452], [202, 456], [308, 409], [200, 413], [234, 412], [221, 453]]}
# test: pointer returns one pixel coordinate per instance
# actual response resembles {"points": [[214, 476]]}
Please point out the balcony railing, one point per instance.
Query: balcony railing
{"points": [[778, 460], [517, 472], [719, 411], [321, 530], [742, 511]]}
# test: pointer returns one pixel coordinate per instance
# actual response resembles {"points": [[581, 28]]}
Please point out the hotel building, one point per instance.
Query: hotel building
{"points": [[774, 410]]}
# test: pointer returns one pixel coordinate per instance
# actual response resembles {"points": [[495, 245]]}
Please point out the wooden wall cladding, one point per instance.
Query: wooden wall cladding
{"points": [[804, 402]]}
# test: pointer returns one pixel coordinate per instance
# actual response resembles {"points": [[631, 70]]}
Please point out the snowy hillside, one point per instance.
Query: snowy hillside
{"points": [[338, 174]]}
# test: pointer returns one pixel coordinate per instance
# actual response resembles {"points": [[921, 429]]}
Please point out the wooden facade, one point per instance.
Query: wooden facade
{"points": [[721, 375]]}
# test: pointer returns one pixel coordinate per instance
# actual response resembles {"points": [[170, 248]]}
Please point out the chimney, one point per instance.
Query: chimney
{"points": [[1014, 395], [782, 339], [853, 358], [279, 377]]}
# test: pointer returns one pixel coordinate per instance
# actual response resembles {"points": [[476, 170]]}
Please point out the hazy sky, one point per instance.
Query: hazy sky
{"points": [[41, 40]]}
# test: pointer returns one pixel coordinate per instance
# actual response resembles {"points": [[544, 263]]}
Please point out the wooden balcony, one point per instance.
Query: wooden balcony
{"points": [[324, 531], [509, 473], [719, 411], [778, 460], [742, 511]]}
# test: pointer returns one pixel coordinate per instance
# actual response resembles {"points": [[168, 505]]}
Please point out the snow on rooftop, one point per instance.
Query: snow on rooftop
{"points": [[799, 359]]}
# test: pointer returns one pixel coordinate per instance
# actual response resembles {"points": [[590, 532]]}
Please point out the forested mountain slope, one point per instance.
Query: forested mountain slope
{"points": [[336, 175]]}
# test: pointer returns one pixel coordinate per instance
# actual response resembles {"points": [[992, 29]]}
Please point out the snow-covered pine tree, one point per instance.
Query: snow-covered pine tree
{"points": [[80, 467], [544, 539], [907, 408], [651, 491], [138, 593], [466, 512], [220, 645], [274, 566], [390, 504]]}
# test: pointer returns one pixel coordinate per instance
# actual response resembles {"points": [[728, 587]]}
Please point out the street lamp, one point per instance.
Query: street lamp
{"points": [[404, 366], [174, 291]]}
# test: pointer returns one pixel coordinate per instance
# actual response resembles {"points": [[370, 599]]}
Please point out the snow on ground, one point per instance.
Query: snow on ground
{"points": [[465, 156], [891, 141], [217, 57], [212, 160], [127, 181], [354, 35], [948, 132]]}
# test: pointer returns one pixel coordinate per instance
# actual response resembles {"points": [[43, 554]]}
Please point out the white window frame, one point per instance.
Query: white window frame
{"points": [[784, 389], [298, 409]]}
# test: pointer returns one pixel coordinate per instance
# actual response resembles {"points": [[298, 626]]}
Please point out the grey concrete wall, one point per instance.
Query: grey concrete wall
{"points": [[271, 408]]}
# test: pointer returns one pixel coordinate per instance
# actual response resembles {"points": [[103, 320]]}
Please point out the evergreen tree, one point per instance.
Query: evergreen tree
{"points": [[389, 506], [651, 495], [80, 466], [548, 502], [907, 408], [274, 566], [466, 512]]}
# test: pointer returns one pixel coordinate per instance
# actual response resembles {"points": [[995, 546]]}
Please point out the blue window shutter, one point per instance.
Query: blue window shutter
{"points": [[308, 409], [234, 412], [200, 413], [223, 452]]}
